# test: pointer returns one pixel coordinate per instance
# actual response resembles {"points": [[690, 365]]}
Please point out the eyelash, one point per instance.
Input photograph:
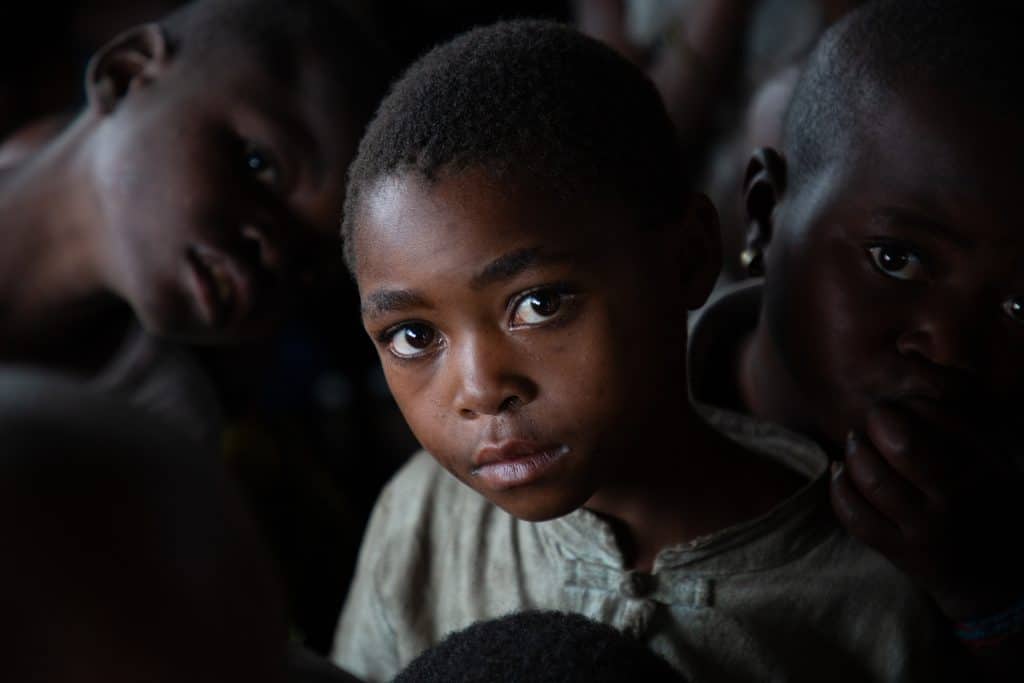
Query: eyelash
{"points": [[567, 297], [1006, 305], [387, 337], [902, 247], [272, 165]]}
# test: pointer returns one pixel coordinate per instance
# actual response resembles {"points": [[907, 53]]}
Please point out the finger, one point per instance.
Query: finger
{"points": [[860, 519], [911, 449], [882, 486]]}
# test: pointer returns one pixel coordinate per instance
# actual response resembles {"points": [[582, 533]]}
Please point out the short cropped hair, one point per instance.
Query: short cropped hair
{"points": [[339, 33], [530, 101], [541, 647], [962, 49]]}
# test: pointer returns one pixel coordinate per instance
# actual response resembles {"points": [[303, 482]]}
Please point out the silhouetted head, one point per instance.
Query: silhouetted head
{"points": [[128, 554]]}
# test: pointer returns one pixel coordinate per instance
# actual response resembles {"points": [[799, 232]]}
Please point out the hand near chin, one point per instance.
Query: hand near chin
{"points": [[942, 502]]}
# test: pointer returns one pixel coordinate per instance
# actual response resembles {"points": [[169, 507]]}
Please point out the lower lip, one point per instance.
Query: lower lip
{"points": [[209, 305], [927, 409], [527, 469]]}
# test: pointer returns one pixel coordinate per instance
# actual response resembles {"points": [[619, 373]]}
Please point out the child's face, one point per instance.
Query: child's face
{"points": [[222, 189], [534, 349], [896, 273]]}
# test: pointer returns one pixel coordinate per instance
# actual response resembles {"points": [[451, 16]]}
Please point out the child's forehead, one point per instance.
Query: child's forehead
{"points": [[470, 218], [914, 151], [486, 205], [941, 133], [310, 113]]}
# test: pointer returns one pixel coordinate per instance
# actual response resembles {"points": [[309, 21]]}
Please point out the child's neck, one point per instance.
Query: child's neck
{"points": [[51, 292], [691, 485]]}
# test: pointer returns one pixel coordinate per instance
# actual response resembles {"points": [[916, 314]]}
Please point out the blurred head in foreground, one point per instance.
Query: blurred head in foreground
{"points": [[128, 555], [541, 647]]}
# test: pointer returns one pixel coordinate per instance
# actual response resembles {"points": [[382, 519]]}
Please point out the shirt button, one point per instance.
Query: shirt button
{"points": [[637, 584]]}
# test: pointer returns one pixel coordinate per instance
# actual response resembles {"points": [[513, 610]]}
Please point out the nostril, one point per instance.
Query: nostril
{"points": [[251, 251], [267, 252]]}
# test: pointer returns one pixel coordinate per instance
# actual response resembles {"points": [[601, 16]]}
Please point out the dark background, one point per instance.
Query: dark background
{"points": [[312, 433]]}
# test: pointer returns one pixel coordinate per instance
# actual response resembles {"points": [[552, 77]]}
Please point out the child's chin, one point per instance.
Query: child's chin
{"points": [[538, 506]]}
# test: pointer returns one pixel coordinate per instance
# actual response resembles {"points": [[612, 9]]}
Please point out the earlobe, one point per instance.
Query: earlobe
{"points": [[130, 60], [763, 185], [702, 251]]}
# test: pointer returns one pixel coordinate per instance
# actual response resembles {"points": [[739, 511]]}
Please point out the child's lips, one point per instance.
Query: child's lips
{"points": [[924, 408], [223, 286], [515, 462], [930, 406]]}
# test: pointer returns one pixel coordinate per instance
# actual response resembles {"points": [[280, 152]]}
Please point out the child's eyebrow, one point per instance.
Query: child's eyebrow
{"points": [[385, 301], [923, 224], [513, 263]]}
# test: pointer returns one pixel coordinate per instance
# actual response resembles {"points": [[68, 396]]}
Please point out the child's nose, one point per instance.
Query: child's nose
{"points": [[946, 336], [488, 381], [268, 251]]}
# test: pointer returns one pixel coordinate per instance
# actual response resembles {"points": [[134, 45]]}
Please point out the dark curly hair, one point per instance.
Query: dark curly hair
{"points": [[539, 647], [960, 49], [532, 101]]}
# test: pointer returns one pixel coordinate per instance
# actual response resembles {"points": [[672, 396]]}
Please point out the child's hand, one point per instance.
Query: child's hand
{"points": [[939, 501]]}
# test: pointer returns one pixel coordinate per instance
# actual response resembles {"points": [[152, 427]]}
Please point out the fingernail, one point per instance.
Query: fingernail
{"points": [[851, 442], [837, 469]]}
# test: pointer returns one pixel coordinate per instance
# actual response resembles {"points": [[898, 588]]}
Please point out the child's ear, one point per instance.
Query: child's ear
{"points": [[130, 60], [701, 255], [763, 185]]}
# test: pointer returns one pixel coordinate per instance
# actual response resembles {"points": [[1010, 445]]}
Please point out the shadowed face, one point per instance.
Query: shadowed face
{"points": [[534, 347], [222, 187], [896, 272]]}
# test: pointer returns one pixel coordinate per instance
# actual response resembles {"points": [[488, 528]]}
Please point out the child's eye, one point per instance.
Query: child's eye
{"points": [[538, 307], [1014, 308], [897, 262], [411, 340], [261, 163]]}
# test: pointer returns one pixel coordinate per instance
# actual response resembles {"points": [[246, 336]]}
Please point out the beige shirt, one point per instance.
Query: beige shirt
{"points": [[784, 597]]}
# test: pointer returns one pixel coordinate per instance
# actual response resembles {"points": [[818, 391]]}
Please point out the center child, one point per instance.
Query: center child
{"points": [[526, 252]]}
